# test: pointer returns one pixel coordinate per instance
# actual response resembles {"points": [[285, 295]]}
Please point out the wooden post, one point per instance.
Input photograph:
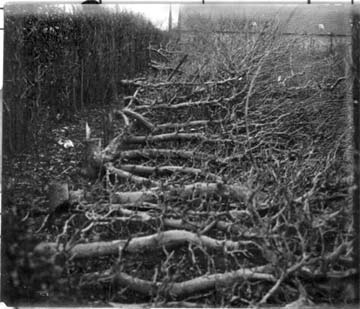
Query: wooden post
{"points": [[356, 137]]}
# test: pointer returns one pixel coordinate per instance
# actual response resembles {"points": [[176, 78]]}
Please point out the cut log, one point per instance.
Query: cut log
{"points": [[167, 153], [178, 105], [116, 148], [175, 136], [180, 125], [196, 285], [164, 138], [129, 176], [237, 192], [137, 197], [168, 239], [189, 287], [165, 170], [146, 84], [180, 224]]}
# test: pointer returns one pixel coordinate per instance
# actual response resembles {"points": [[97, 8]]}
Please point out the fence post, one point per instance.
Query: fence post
{"points": [[356, 137]]}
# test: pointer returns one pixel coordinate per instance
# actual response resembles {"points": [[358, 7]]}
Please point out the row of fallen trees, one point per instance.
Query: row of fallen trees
{"points": [[231, 172]]}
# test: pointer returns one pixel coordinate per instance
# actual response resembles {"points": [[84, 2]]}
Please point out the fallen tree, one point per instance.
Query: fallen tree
{"points": [[236, 192], [181, 289], [166, 239]]}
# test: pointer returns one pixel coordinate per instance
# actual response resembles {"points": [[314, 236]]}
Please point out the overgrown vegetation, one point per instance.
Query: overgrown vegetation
{"points": [[57, 63], [226, 182]]}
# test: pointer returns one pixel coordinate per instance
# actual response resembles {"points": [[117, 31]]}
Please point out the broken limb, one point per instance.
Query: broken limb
{"points": [[148, 170], [189, 287], [154, 152], [168, 239], [179, 136], [129, 176], [146, 123], [237, 192]]}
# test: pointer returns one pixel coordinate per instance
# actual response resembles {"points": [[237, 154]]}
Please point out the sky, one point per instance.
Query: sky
{"points": [[157, 13]]}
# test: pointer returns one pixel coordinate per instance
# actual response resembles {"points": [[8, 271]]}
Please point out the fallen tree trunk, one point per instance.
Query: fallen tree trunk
{"points": [[185, 288], [164, 137], [111, 154], [144, 217], [167, 239], [181, 125], [144, 84], [232, 226], [174, 136], [237, 192], [134, 197], [164, 170], [181, 224], [179, 105]]}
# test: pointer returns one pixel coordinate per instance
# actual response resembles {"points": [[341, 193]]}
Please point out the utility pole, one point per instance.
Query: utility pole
{"points": [[170, 19]]}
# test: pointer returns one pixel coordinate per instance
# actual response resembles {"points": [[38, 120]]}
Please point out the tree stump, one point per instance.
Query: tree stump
{"points": [[58, 194], [92, 158]]}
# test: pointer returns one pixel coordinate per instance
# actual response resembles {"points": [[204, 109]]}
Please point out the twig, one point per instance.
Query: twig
{"points": [[133, 97], [183, 59], [281, 279]]}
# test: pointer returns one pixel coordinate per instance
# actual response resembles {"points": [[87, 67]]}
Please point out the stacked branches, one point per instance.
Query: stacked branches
{"points": [[232, 174]]}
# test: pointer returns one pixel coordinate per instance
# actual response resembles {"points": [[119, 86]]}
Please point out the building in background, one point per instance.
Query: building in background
{"points": [[322, 25]]}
